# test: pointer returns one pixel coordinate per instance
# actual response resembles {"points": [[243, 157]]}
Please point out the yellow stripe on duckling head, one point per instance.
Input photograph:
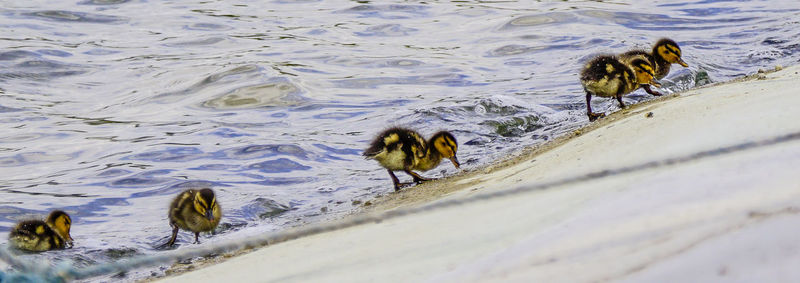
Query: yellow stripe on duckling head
{"points": [[674, 49], [452, 144], [200, 205]]}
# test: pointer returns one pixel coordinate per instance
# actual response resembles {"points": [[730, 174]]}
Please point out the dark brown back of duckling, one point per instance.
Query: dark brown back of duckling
{"points": [[607, 76], [406, 140], [36, 236]]}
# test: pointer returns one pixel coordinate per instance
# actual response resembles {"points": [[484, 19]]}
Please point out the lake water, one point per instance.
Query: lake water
{"points": [[108, 109]]}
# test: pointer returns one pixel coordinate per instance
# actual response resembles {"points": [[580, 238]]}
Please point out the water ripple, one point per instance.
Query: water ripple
{"points": [[102, 2], [70, 16], [539, 19], [262, 151], [438, 79], [29, 158], [393, 12], [280, 165], [387, 30], [280, 94]]}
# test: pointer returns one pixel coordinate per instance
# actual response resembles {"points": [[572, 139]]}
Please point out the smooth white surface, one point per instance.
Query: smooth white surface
{"points": [[732, 217]]}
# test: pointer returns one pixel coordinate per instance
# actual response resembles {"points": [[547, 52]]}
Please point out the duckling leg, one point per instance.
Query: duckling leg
{"points": [[417, 177], [197, 237], [592, 116], [621, 104], [394, 180], [174, 235], [650, 91]]}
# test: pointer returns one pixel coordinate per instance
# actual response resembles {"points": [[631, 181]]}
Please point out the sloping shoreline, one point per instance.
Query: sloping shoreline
{"points": [[589, 174]]}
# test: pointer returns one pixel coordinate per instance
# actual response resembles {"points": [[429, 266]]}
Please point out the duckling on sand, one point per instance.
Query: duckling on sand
{"points": [[607, 76], [403, 149], [665, 53]]}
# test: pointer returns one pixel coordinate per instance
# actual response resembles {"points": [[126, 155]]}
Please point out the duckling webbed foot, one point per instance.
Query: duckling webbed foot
{"points": [[592, 116], [417, 177], [621, 104], [650, 91]]}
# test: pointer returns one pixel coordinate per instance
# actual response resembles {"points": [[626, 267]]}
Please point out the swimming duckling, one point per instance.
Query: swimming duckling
{"points": [[194, 210], [404, 149], [607, 76], [665, 53], [39, 236]]}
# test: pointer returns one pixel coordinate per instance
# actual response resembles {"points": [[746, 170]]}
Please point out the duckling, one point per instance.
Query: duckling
{"points": [[39, 236], [404, 149], [607, 76], [665, 53], [194, 210]]}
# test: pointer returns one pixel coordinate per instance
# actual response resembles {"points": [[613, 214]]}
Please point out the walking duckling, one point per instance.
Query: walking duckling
{"points": [[194, 210], [607, 76], [404, 149], [665, 53], [39, 236]]}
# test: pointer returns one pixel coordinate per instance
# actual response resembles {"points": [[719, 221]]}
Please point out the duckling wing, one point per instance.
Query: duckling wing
{"points": [[388, 140], [29, 229], [181, 202], [606, 76], [374, 149], [32, 235]]}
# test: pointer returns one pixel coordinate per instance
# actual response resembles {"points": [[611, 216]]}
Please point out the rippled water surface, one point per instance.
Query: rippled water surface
{"points": [[109, 108]]}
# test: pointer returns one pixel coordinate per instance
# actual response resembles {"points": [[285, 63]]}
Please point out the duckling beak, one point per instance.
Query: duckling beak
{"points": [[680, 61], [210, 215], [455, 161]]}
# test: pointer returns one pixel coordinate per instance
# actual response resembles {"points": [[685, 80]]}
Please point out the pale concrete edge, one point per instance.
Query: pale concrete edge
{"points": [[435, 190]]}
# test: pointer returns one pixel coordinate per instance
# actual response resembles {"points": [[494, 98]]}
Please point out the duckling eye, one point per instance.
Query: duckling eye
{"points": [[444, 147], [452, 145], [674, 50]]}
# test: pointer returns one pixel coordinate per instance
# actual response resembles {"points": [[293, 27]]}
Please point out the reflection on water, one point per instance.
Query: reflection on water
{"points": [[282, 94], [111, 107]]}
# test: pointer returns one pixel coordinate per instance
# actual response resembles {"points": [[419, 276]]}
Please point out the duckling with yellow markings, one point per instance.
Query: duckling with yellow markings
{"points": [[39, 236], [665, 53], [194, 210], [403, 149], [607, 76]]}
